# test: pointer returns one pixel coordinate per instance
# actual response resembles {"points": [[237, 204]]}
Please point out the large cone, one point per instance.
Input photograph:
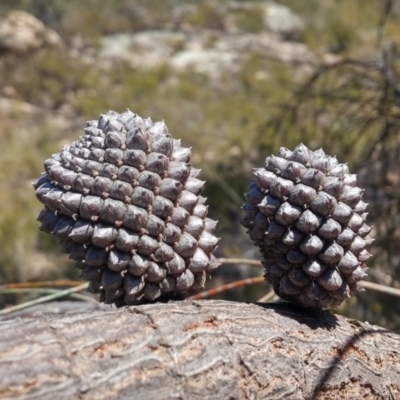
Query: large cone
{"points": [[304, 211], [125, 204]]}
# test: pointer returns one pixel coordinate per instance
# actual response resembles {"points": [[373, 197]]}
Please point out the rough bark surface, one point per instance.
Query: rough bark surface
{"points": [[198, 350]]}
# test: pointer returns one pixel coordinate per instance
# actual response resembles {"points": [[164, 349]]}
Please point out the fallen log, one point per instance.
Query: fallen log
{"points": [[198, 350]]}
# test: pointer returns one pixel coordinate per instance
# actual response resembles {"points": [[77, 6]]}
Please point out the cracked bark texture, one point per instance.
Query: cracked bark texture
{"points": [[198, 350]]}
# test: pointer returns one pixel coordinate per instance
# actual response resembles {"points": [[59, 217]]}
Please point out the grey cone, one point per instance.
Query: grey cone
{"points": [[125, 204], [305, 213]]}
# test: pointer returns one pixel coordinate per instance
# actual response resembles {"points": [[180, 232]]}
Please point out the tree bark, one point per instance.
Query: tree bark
{"points": [[198, 350]]}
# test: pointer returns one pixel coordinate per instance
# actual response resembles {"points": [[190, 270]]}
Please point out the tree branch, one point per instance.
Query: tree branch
{"points": [[197, 350]]}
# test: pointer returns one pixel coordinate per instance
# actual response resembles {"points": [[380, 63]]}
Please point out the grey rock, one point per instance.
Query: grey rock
{"points": [[282, 20], [147, 49], [21, 32]]}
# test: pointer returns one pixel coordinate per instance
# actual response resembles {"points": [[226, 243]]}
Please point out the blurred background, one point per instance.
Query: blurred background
{"points": [[236, 80]]}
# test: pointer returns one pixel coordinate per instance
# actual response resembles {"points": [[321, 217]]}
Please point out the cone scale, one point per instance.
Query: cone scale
{"points": [[125, 204], [305, 213]]}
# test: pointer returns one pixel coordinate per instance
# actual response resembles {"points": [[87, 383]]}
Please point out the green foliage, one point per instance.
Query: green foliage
{"points": [[250, 20], [344, 27], [95, 18], [48, 77], [25, 145], [207, 15]]}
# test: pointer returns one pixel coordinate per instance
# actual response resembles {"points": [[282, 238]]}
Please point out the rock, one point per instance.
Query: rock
{"points": [[283, 21], [204, 52], [277, 19], [147, 49], [21, 32], [209, 51], [9, 106], [268, 45], [9, 91], [207, 61]]}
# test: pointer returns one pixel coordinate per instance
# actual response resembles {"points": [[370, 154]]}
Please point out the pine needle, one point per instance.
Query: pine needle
{"points": [[44, 299]]}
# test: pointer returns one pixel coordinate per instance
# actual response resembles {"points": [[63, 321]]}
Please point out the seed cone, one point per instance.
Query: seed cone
{"points": [[125, 204], [305, 213]]}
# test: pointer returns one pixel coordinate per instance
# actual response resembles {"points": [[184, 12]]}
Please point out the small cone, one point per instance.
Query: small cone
{"points": [[305, 213]]}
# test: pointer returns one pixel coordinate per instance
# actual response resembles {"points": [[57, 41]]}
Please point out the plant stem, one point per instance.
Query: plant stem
{"points": [[50, 297], [75, 296]]}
